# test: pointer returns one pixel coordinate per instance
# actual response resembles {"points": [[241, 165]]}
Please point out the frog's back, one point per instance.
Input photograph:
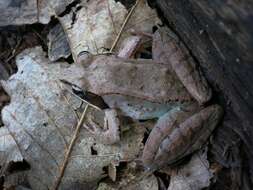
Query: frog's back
{"points": [[144, 79]]}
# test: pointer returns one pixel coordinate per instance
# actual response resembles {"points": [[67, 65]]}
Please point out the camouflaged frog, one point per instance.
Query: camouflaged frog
{"points": [[168, 87]]}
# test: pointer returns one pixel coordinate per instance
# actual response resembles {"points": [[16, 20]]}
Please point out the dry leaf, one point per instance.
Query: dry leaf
{"points": [[30, 11], [7, 142], [39, 125], [14, 180], [193, 176], [97, 24], [95, 27], [58, 46], [131, 178], [147, 183], [142, 20]]}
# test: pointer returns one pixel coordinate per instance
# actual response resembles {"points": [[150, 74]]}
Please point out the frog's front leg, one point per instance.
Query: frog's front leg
{"points": [[186, 137], [110, 133]]}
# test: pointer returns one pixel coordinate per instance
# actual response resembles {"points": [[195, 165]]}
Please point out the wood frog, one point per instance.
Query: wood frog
{"points": [[168, 87]]}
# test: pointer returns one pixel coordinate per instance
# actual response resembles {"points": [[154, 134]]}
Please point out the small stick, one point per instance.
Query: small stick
{"points": [[66, 159], [123, 25], [67, 100]]}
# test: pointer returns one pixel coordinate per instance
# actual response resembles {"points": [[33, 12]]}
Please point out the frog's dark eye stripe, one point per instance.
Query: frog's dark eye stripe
{"points": [[75, 88], [94, 100], [79, 92]]}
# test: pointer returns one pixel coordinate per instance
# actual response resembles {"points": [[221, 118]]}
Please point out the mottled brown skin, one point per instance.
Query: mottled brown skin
{"points": [[181, 138], [185, 131], [144, 79], [164, 126], [171, 77], [168, 49]]}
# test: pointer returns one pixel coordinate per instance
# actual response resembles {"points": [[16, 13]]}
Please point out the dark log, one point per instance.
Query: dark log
{"points": [[219, 34]]}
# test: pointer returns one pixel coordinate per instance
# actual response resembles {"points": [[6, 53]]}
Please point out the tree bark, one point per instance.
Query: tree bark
{"points": [[219, 35]]}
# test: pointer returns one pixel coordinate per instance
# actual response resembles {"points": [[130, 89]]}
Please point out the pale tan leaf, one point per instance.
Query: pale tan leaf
{"points": [[95, 26], [142, 20]]}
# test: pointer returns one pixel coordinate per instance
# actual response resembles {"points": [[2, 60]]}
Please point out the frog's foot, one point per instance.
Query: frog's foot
{"points": [[189, 136], [164, 126], [110, 133]]}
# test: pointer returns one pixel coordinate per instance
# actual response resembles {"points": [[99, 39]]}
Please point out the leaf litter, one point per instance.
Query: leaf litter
{"points": [[40, 121], [98, 23]]}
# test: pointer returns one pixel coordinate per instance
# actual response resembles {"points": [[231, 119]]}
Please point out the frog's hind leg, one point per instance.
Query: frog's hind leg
{"points": [[110, 133], [168, 49], [164, 126], [188, 137]]}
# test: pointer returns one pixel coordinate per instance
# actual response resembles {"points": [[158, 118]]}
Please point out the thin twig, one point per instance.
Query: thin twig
{"points": [[123, 25], [67, 100], [74, 111], [66, 159]]}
